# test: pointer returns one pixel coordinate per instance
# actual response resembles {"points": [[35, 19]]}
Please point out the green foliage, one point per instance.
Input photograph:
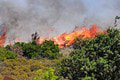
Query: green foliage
{"points": [[25, 69], [15, 49], [29, 50], [49, 49], [45, 50], [94, 59], [6, 54], [48, 75], [40, 75]]}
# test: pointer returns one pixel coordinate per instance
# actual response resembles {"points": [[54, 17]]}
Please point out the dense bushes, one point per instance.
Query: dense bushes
{"points": [[94, 59], [45, 50], [49, 49], [91, 59], [29, 50], [26, 69], [6, 54]]}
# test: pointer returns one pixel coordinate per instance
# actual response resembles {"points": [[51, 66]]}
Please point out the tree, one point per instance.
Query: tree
{"points": [[94, 59]]}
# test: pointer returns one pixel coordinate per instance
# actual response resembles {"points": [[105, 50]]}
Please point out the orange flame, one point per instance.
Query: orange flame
{"points": [[41, 40], [66, 39], [2, 39]]}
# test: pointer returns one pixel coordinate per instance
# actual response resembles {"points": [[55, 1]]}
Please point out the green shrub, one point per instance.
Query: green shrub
{"points": [[94, 59], [29, 50], [45, 50], [48, 75], [49, 49], [6, 54], [16, 49]]}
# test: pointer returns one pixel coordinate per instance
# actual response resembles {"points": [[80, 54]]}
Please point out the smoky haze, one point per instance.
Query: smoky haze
{"points": [[23, 17], [52, 17]]}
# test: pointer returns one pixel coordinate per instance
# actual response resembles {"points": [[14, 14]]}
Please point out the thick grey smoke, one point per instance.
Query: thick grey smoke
{"points": [[24, 17]]}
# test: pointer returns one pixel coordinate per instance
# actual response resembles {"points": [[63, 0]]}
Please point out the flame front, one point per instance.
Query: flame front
{"points": [[2, 39], [65, 39]]}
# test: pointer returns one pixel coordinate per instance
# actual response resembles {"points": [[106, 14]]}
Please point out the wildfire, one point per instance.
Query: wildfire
{"points": [[67, 39], [2, 39], [63, 40], [3, 36]]}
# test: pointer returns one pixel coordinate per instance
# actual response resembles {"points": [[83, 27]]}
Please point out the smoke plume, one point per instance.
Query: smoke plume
{"points": [[48, 17]]}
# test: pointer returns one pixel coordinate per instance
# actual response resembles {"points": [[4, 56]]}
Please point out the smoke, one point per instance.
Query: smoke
{"points": [[102, 12], [24, 17]]}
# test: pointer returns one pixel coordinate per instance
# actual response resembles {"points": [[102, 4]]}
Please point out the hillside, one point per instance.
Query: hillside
{"points": [[95, 58]]}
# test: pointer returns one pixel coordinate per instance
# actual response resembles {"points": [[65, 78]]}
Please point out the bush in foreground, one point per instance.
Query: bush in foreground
{"points": [[48, 75], [6, 54], [35, 51], [25, 69], [94, 59]]}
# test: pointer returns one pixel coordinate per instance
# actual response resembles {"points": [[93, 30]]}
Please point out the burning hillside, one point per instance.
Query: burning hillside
{"points": [[65, 39], [39, 40]]}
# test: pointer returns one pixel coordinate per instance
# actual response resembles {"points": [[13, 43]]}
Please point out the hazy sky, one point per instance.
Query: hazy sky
{"points": [[23, 17]]}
